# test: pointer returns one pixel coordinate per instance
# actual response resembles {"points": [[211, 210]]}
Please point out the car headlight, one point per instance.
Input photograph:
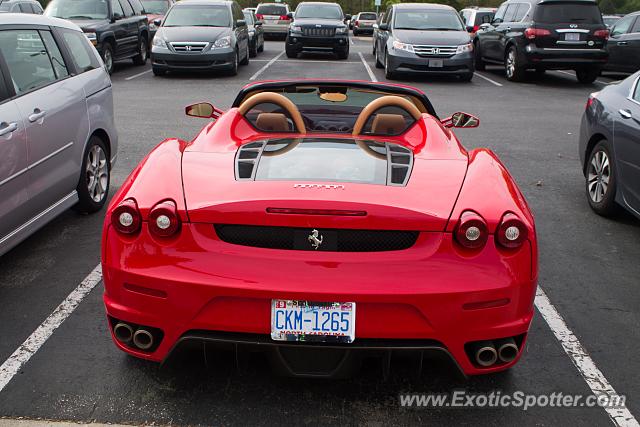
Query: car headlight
{"points": [[295, 29], [341, 30], [92, 38], [222, 42], [464, 48], [158, 41], [403, 46]]}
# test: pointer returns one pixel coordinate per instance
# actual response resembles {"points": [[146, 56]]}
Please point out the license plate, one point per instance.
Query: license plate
{"points": [[436, 63], [313, 321], [572, 37]]}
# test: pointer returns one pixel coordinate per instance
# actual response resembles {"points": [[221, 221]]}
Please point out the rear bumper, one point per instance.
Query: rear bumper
{"points": [[410, 63], [558, 58], [213, 60], [429, 294], [301, 43], [275, 29]]}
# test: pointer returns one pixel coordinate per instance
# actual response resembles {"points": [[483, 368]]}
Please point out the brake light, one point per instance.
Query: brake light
{"points": [[357, 23], [476, 28], [601, 34], [163, 219], [259, 16], [333, 212], [512, 232], [532, 33], [591, 99], [126, 218], [471, 231], [284, 18]]}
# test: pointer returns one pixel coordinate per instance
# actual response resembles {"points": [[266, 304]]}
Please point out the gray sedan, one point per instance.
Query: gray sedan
{"points": [[610, 147], [57, 135]]}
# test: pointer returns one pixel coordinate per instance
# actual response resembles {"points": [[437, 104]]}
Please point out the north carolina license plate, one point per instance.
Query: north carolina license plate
{"points": [[313, 321], [436, 63], [572, 37]]}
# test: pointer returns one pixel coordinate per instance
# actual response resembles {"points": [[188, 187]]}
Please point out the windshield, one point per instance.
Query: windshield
{"points": [[560, 13], [443, 20], [156, 7], [198, 16], [367, 16], [319, 11], [78, 9]]}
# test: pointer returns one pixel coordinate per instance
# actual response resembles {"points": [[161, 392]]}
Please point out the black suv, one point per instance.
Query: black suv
{"points": [[318, 27], [119, 29], [544, 35]]}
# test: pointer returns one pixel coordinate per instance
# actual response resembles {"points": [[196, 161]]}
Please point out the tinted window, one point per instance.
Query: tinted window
{"points": [[82, 53], [500, 12], [427, 20], [138, 9], [37, 9], [54, 54], [27, 59], [636, 27], [156, 7], [342, 160], [198, 16], [26, 8], [483, 18], [521, 12], [271, 9], [562, 13], [368, 16], [636, 95], [319, 11], [128, 10], [623, 25], [511, 12], [116, 8], [78, 9]]}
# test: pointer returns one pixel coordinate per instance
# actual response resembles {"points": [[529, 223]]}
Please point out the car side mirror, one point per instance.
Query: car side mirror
{"points": [[203, 110], [496, 21], [470, 28], [290, 15], [157, 22], [383, 27], [116, 17], [461, 120], [347, 17], [241, 23]]}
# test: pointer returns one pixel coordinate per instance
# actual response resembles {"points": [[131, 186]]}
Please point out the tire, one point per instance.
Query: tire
{"points": [[290, 52], [466, 77], [95, 174], [479, 63], [107, 57], [261, 47], [343, 54], [355, 33], [233, 71], [587, 75], [143, 52], [378, 63], [388, 74], [600, 180], [245, 61], [253, 49], [373, 49], [158, 71], [512, 67]]}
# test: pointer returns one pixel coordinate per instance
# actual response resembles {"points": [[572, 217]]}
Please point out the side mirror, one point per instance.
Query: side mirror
{"points": [[470, 28], [241, 23], [116, 17], [202, 110], [496, 21], [461, 120], [290, 15], [383, 27], [347, 17], [157, 22]]}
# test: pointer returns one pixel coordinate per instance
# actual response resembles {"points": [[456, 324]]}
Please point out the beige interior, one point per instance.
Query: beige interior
{"points": [[385, 101], [279, 100], [388, 124], [274, 122]]}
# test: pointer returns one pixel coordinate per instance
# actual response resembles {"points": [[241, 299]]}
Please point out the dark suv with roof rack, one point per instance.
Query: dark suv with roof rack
{"points": [[544, 35]]}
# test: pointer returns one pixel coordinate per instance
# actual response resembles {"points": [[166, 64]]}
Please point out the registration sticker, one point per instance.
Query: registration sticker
{"points": [[293, 320]]}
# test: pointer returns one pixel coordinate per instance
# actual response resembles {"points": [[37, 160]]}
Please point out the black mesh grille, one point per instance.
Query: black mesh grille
{"points": [[337, 240], [318, 32]]}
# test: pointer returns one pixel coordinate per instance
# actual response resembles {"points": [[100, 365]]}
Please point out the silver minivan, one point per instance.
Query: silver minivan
{"points": [[58, 140]]}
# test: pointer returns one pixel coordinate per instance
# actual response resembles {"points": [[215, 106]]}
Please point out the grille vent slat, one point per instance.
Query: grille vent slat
{"points": [[318, 32], [434, 51]]}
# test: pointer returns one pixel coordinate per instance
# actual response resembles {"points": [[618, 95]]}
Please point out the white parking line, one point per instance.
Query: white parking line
{"points": [[482, 76], [137, 75], [16, 361], [371, 75], [581, 359], [267, 65], [351, 40]]}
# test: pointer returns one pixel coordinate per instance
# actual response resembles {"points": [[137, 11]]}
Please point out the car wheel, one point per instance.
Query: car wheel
{"points": [[373, 48], [479, 63], [261, 47], [291, 53], [587, 75], [245, 61], [513, 70], [600, 179], [390, 75], [93, 186], [355, 33], [107, 57], [158, 71], [234, 67], [378, 63], [143, 52], [253, 49], [343, 54], [466, 77]]}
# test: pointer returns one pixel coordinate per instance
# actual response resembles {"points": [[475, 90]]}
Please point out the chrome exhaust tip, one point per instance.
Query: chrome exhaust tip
{"points": [[123, 332], [143, 339], [507, 350], [485, 354]]}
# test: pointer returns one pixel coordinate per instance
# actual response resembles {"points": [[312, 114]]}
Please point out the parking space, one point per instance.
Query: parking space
{"points": [[588, 270]]}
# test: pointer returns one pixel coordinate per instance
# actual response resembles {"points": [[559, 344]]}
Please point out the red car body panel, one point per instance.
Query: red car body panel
{"points": [[435, 290]]}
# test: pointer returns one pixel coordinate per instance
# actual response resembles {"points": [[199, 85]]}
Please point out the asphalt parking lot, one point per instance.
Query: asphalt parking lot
{"points": [[589, 271]]}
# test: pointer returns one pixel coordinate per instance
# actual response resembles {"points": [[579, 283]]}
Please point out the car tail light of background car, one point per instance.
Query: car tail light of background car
{"points": [[126, 217], [532, 33], [512, 232], [260, 16], [357, 23], [591, 100], [163, 219], [472, 231], [601, 34], [284, 18]]}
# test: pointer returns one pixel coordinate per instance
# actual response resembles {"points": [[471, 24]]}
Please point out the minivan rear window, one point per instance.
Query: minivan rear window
{"points": [[368, 16], [271, 10], [562, 13]]}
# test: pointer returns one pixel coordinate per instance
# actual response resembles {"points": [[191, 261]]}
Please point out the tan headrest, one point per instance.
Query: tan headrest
{"points": [[274, 122], [388, 124]]}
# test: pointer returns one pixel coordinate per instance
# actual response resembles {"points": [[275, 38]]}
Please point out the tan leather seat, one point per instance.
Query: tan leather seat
{"points": [[388, 124], [273, 122]]}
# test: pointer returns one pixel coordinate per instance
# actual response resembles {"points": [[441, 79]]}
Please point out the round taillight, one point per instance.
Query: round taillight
{"points": [[511, 232], [126, 218], [471, 231], [163, 219]]}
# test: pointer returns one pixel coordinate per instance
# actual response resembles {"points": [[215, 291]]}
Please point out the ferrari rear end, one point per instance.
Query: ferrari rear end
{"points": [[320, 249]]}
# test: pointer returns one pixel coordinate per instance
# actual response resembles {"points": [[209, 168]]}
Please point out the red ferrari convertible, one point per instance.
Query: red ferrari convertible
{"points": [[322, 221]]}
